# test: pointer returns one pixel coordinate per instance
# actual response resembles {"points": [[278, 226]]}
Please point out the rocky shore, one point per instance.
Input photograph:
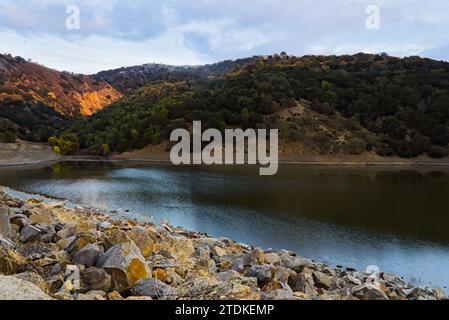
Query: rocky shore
{"points": [[49, 251]]}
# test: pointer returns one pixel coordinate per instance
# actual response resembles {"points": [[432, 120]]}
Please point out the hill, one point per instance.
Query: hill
{"points": [[321, 104], [35, 100]]}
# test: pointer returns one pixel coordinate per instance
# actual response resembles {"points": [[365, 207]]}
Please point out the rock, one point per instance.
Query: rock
{"points": [[440, 294], [63, 295], [255, 257], [295, 263], [88, 256], [67, 231], [160, 274], [49, 233], [19, 220], [368, 292], [392, 280], [5, 226], [262, 273], [42, 218], [29, 233], [141, 238], [115, 237], [97, 295], [11, 262], [182, 248], [271, 258], [6, 243], [33, 278], [13, 288], [153, 288], [302, 282], [95, 279], [139, 299], [64, 243], [115, 296], [321, 280], [238, 265], [81, 240], [220, 252], [126, 265]]}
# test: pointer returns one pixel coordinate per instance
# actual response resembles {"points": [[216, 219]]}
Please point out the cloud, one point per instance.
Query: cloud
{"points": [[115, 32]]}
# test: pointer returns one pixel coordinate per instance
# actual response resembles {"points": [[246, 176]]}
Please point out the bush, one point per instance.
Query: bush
{"points": [[437, 152], [7, 137]]}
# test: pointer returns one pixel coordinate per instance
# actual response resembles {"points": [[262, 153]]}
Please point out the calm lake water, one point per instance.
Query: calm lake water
{"points": [[354, 217]]}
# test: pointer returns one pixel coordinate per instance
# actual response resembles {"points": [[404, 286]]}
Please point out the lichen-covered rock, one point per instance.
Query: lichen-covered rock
{"points": [[11, 262], [13, 288], [125, 263], [141, 238]]}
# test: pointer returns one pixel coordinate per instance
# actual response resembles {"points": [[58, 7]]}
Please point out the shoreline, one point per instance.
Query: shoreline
{"points": [[379, 164], [167, 262]]}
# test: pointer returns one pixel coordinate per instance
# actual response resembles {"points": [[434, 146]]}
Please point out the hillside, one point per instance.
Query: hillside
{"points": [[127, 79], [321, 104], [36, 101]]}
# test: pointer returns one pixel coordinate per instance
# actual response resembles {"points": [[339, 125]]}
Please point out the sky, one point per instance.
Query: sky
{"points": [[116, 33]]}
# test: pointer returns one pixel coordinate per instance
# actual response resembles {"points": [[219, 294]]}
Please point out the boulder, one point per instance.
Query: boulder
{"points": [[295, 263], [13, 288], [5, 226], [125, 263], [321, 280], [19, 220], [302, 282], [88, 256], [262, 273], [81, 240], [67, 231], [29, 233], [153, 288], [95, 279], [141, 238], [368, 292], [114, 237], [271, 258]]}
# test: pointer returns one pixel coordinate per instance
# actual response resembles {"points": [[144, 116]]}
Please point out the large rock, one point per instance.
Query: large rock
{"points": [[368, 292], [125, 263], [153, 288], [95, 279], [321, 280], [263, 274], [88, 256], [5, 225], [81, 240], [114, 237], [29, 233], [140, 236], [302, 282], [13, 288]]}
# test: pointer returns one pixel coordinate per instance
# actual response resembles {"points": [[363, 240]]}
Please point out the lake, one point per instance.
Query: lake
{"points": [[397, 219]]}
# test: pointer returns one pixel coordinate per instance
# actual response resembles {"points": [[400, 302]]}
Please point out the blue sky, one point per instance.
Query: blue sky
{"points": [[116, 33]]}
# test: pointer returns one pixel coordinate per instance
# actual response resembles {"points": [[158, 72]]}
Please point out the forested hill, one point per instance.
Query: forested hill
{"points": [[328, 104]]}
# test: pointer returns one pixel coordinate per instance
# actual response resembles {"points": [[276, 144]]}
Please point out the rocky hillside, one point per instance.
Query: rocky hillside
{"points": [[68, 94], [50, 252]]}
